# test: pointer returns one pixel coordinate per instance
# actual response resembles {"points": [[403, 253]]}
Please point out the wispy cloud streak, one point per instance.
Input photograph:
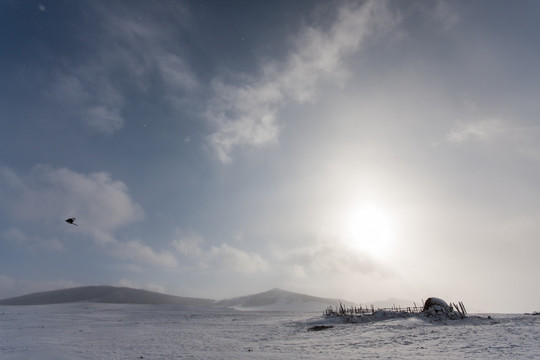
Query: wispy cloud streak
{"points": [[133, 53], [246, 114]]}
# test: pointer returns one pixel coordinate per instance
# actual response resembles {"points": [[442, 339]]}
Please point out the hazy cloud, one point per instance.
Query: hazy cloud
{"points": [[191, 245], [127, 283], [513, 136], [135, 250], [16, 236], [136, 285], [482, 130], [442, 13], [148, 45], [238, 260], [327, 255], [33, 242], [177, 77], [246, 114], [130, 52], [10, 287], [188, 242], [87, 92], [324, 255], [6, 282], [103, 119]]}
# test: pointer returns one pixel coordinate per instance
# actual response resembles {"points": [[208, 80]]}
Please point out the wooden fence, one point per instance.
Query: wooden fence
{"points": [[360, 310]]}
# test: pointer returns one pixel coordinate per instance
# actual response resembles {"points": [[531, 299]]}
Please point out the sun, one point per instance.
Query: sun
{"points": [[370, 230]]}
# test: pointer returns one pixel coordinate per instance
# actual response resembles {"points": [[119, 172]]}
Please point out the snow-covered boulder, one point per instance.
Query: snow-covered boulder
{"points": [[436, 305], [438, 308]]}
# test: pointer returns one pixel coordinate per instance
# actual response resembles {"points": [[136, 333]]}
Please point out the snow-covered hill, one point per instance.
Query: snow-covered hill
{"points": [[103, 294], [278, 299], [271, 300]]}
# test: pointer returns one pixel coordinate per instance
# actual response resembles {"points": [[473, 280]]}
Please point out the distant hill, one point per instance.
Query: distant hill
{"points": [[271, 300], [278, 299], [103, 294]]}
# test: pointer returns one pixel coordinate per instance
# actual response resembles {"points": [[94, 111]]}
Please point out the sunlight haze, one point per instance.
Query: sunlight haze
{"points": [[360, 150]]}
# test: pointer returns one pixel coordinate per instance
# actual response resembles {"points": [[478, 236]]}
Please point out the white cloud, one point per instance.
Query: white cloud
{"points": [[247, 114], [102, 207], [99, 201]]}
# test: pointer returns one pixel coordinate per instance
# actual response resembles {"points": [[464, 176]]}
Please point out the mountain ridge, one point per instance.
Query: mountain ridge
{"points": [[275, 299]]}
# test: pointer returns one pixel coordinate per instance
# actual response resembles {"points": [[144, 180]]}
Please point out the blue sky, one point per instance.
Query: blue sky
{"points": [[352, 149]]}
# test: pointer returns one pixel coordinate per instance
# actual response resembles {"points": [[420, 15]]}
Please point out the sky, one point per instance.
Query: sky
{"points": [[360, 150]]}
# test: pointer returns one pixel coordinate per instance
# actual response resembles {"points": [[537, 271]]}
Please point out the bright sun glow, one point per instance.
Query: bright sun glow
{"points": [[370, 230]]}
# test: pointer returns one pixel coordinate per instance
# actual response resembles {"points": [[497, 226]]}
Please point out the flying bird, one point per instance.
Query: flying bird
{"points": [[71, 221]]}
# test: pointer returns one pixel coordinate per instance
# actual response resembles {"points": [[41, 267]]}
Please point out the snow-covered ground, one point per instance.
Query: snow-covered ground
{"points": [[105, 331]]}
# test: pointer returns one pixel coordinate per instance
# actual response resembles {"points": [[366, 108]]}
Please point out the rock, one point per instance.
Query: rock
{"points": [[320, 327], [437, 305]]}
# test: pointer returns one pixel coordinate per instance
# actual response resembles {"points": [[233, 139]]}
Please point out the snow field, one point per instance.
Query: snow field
{"points": [[105, 331]]}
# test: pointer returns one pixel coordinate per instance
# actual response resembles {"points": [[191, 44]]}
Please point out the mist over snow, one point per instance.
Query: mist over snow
{"points": [[356, 150]]}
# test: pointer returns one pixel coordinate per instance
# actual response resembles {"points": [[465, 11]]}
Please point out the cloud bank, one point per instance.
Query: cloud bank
{"points": [[103, 207]]}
